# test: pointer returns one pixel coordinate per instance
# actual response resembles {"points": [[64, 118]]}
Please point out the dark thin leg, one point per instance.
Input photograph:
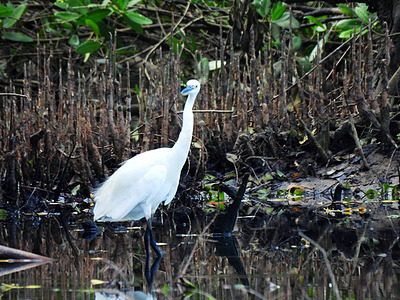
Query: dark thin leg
{"points": [[149, 273], [148, 237], [146, 242]]}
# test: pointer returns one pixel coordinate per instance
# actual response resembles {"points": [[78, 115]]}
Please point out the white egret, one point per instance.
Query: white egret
{"points": [[136, 189]]}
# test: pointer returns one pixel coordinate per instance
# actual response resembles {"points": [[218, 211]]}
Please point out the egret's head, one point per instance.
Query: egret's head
{"points": [[192, 87]]}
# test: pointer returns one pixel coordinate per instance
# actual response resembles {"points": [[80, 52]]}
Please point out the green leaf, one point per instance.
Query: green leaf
{"points": [[262, 7], [121, 4], [371, 194], [319, 46], [61, 4], [385, 187], [133, 2], [205, 64], [349, 33], [280, 173], [297, 42], [165, 289], [346, 9], [208, 177], [362, 14], [126, 50], [67, 15], [346, 34], [277, 66], [304, 64], [19, 11], [78, 6], [185, 40], [286, 20], [393, 216], [187, 283], [320, 27], [16, 37], [138, 18], [93, 26], [298, 192], [347, 24], [74, 40], [5, 11], [3, 214], [262, 194], [314, 20], [221, 197], [278, 12], [135, 26], [176, 46], [281, 193], [75, 190], [88, 47], [137, 90], [15, 16], [267, 177], [97, 15], [86, 57], [74, 3], [193, 43]]}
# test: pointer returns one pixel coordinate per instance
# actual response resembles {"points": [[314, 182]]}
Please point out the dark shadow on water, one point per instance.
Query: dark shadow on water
{"points": [[263, 258], [226, 247]]}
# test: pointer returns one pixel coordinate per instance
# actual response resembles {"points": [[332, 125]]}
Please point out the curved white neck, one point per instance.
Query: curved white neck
{"points": [[182, 145]]}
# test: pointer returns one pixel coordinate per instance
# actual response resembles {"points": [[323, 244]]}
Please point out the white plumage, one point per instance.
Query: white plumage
{"points": [[141, 183]]}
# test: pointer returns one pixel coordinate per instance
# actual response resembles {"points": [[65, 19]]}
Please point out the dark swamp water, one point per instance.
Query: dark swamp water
{"points": [[269, 253]]}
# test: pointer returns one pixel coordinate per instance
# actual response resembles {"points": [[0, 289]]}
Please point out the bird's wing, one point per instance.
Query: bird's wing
{"points": [[172, 190], [131, 187], [149, 192]]}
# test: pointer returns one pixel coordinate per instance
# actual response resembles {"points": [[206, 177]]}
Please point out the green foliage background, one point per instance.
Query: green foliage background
{"points": [[85, 26]]}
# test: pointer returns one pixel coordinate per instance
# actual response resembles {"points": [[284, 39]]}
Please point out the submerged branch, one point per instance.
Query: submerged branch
{"points": [[327, 263]]}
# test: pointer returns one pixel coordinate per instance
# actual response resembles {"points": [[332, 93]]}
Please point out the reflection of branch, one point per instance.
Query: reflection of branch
{"points": [[183, 270], [358, 247], [328, 265], [120, 271]]}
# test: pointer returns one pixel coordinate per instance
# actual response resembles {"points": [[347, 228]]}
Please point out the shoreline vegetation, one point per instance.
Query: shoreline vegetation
{"points": [[68, 122]]}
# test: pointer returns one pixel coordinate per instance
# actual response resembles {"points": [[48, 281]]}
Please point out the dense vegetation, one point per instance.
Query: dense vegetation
{"points": [[89, 84]]}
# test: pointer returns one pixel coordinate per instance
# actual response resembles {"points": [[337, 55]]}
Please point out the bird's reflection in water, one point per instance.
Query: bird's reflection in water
{"points": [[131, 293], [150, 272], [108, 295], [137, 295]]}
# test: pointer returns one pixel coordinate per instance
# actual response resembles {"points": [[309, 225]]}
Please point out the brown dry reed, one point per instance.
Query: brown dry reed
{"points": [[65, 128]]}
